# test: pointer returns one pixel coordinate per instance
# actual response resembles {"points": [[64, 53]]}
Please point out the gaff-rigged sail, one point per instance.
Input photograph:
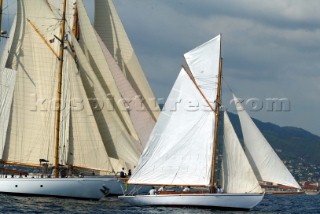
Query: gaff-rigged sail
{"points": [[109, 27], [179, 151], [238, 176], [263, 159], [31, 128]]}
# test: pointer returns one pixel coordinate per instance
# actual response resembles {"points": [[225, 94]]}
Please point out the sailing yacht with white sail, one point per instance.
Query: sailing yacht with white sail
{"points": [[78, 114], [182, 147]]}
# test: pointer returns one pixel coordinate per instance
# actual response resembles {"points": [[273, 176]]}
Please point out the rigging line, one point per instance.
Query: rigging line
{"points": [[228, 86]]}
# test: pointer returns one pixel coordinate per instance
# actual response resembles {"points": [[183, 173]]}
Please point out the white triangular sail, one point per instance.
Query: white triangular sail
{"points": [[204, 64], [108, 25], [238, 176], [179, 151], [263, 159]]}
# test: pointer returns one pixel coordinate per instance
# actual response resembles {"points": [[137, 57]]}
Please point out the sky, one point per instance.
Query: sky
{"points": [[270, 49]]}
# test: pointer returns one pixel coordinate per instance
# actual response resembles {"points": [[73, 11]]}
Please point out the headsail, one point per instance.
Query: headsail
{"points": [[117, 141], [238, 176], [141, 118], [263, 159], [179, 151], [98, 62], [83, 145], [108, 25]]}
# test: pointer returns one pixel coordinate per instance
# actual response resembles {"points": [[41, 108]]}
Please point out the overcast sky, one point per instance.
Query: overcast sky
{"points": [[270, 49]]}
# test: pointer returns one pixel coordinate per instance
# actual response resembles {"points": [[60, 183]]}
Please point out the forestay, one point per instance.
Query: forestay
{"points": [[179, 151], [263, 159], [204, 63], [238, 176]]}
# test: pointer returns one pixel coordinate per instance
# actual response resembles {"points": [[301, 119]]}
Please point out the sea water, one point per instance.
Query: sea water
{"points": [[270, 204]]}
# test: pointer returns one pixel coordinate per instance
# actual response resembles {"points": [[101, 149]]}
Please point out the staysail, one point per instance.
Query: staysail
{"points": [[117, 141], [263, 159], [238, 176], [141, 118], [84, 146], [108, 25], [179, 151], [98, 62]]}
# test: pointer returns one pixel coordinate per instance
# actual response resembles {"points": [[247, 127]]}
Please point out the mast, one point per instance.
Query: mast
{"points": [[216, 131], [56, 154]]}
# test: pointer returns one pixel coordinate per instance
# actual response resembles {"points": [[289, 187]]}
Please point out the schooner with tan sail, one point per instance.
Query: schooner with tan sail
{"points": [[73, 100]]}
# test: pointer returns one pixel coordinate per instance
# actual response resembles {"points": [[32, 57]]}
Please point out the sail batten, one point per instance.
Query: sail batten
{"points": [[265, 162]]}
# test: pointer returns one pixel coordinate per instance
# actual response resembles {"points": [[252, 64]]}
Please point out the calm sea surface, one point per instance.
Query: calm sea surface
{"points": [[270, 204]]}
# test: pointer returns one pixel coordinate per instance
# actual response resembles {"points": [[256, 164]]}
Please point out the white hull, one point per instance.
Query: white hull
{"points": [[86, 188], [312, 192], [225, 201]]}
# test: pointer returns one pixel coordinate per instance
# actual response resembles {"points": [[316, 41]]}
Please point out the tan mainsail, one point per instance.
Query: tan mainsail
{"points": [[31, 126], [108, 25]]}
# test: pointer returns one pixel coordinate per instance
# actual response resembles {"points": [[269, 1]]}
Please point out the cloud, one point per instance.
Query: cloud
{"points": [[270, 48]]}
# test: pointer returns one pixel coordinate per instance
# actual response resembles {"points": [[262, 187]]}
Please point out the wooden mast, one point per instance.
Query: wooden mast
{"points": [[58, 104], [216, 131]]}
